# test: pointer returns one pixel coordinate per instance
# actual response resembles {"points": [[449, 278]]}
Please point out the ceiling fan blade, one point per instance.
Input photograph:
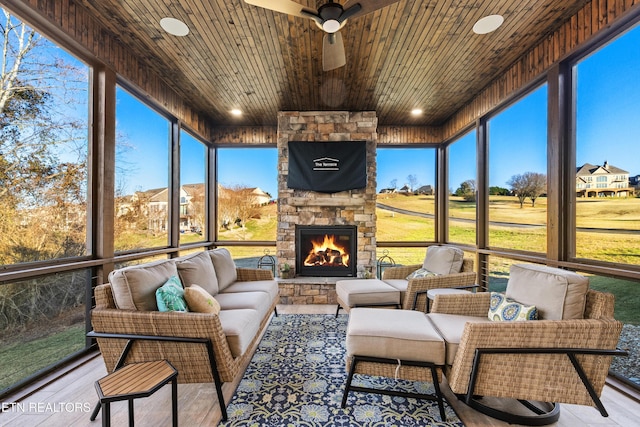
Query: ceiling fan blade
{"points": [[368, 6], [333, 52], [282, 6]]}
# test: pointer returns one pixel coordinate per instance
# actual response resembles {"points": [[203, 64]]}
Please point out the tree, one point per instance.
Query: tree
{"points": [[413, 181], [393, 184], [518, 185], [529, 184], [537, 186], [467, 190], [43, 197], [498, 191], [236, 205]]}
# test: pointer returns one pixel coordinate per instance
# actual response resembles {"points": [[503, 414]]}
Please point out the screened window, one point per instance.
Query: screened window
{"points": [[462, 189], [405, 201], [518, 175], [43, 148], [247, 189], [142, 175], [193, 162], [607, 133]]}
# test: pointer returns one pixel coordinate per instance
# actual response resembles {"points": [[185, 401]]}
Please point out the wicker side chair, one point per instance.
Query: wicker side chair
{"points": [[554, 361], [414, 290]]}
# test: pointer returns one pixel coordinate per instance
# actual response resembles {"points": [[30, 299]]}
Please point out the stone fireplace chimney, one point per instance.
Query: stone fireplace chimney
{"points": [[352, 207]]}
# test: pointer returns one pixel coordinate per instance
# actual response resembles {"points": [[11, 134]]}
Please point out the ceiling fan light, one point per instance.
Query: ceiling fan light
{"points": [[331, 25]]}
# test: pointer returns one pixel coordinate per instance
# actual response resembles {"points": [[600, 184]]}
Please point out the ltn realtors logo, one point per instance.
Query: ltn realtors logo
{"points": [[326, 164]]}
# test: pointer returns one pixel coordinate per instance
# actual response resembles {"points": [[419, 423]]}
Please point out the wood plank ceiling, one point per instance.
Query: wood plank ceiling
{"points": [[412, 54]]}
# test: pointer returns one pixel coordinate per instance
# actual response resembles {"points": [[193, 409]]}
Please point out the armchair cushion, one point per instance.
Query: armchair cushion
{"points": [[450, 327], [198, 269], [557, 294], [200, 301], [134, 288], [443, 259], [502, 308], [421, 272], [224, 266]]}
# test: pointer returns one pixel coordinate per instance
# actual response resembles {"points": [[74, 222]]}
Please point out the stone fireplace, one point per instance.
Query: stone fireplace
{"points": [[355, 208]]}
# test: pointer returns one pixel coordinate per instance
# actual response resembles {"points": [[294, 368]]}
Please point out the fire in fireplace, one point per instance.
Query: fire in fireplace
{"points": [[326, 251]]}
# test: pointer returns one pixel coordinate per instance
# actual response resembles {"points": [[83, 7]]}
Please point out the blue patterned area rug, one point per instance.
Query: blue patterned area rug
{"points": [[297, 377]]}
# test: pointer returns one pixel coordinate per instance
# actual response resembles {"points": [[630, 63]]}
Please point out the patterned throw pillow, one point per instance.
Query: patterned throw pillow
{"points": [[503, 308], [170, 296], [419, 273], [201, 301]]}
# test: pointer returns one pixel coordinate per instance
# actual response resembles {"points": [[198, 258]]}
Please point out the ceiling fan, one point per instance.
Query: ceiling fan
{"points": [[330, 17]]}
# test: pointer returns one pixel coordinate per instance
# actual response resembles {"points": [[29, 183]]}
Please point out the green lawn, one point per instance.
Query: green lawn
{"points": [[21, 359]]}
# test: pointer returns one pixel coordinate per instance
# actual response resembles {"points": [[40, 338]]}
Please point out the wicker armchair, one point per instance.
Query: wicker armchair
{"points": [[546, 360], [194, 343], [415, 293]]}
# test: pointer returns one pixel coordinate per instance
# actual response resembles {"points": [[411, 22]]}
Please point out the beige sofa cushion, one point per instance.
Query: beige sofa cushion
{"points": [[443, 259], [557, 294], [268, 286], [258, 301], [198, 269], [134, 288], [224, 266], [240, 327], [393, 334]]}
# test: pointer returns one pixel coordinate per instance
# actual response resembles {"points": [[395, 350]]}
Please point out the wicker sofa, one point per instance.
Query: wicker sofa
{"points": [[203, 347]]}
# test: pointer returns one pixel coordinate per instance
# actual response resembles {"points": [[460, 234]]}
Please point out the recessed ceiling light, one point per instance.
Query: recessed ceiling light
{"points": [[174, 26], [416, 112], [488, 24], [236, 112]]}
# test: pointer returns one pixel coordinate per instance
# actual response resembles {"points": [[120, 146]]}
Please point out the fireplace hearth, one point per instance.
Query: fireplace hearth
{"points": [[326, 251]]}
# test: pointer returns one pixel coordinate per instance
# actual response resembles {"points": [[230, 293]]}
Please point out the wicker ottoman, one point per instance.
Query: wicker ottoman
{"points": [[365, 293], [397, 344]]}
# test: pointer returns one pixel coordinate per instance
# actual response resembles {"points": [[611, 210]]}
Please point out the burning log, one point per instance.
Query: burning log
{"points": [[327, 253]]}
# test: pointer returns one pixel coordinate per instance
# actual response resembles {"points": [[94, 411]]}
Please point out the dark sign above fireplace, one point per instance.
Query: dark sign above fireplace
{"points": [[326, 251]]}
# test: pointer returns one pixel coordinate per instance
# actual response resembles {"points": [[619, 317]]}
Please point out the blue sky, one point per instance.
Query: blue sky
{"points": [[608, 93]]}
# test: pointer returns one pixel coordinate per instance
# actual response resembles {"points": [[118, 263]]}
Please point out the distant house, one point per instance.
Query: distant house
{"points": [[602, 181], [153, 204], [260, 196], [405, 189], [387, 191], [427, 190]]}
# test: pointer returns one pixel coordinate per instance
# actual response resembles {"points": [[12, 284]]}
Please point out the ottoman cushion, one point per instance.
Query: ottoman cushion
{"points": [[394, 334], [366, 292]]}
